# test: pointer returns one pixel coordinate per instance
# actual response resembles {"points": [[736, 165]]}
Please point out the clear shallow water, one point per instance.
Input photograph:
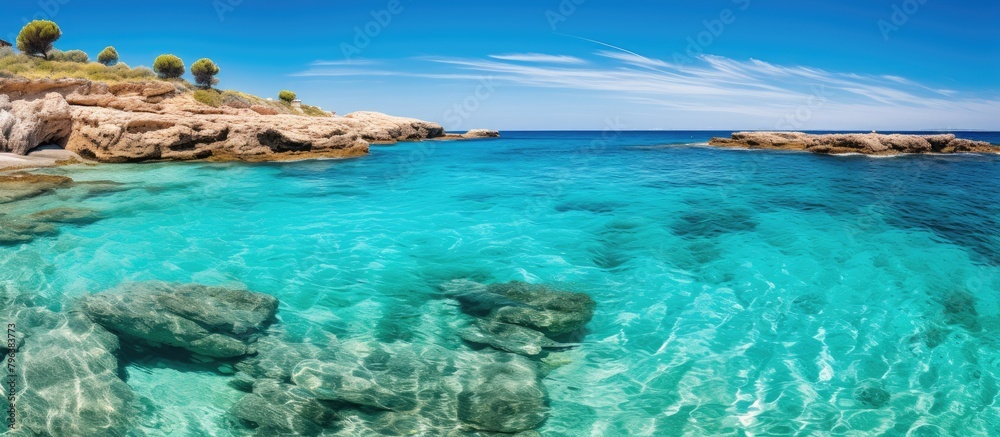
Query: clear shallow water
{"points": [[742, 293]]}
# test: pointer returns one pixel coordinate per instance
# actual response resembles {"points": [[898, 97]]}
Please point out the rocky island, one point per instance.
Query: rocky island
{"points": [[867, 144]]}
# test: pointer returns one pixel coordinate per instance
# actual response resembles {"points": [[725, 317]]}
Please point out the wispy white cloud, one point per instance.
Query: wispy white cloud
{"points": [[539, 57], [713, 84]]}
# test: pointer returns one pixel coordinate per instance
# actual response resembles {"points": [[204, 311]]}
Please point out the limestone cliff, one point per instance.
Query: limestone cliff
{"points": [[132, 122]]}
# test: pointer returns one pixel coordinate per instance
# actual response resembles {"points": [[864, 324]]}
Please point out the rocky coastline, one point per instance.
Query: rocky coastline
{"points": [[158, 120], [867, 144]]}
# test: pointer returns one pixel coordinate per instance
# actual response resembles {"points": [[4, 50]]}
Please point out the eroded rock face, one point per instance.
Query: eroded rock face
{"points": [[869, 144], [26, 124], [68, 378], [211, 321], [133, 122]]}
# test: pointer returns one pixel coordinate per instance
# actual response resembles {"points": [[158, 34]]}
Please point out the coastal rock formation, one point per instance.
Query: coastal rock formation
{"points": [[26, 124], [481, 133], [868, 144], [210, 321], [131, 122], [67, 380]]}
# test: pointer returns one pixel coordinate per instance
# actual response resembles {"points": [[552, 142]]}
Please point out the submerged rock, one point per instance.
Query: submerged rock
{"points": [[871, 395], [66, 216], [19, 230], [67, 376], [504, 397], [212, 321], [509, 337], [276, 358], [19, 186], [283, 409], [538, 307]]}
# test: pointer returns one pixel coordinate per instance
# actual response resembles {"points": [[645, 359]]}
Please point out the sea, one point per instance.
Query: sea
{"points": [[742, 293]]}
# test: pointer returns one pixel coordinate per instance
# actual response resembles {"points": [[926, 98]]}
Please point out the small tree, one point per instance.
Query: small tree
{"points": [[69, 56], [36, 38], [108, 56], [168, 66], [286, 96], [204, 71]]}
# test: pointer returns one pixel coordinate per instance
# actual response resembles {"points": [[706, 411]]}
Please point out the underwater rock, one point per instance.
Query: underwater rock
{"points": [[552, 312], [871, 395], [67, 376], [15, 231], [376, 380], [212, 321], [276, 358], [508, 337], [283, 409], [66, 216], [18, 186], [504, 397], [960, 309]]}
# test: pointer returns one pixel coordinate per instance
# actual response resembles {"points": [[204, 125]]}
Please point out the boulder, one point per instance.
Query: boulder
{"points": [[67, 376], [505, 396], [509, 337], [211, 321], [283, 409], [552, 312]]}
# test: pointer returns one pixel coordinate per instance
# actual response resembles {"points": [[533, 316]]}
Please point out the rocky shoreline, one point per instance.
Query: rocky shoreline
{"points": [[154, 121], [867, 144]]}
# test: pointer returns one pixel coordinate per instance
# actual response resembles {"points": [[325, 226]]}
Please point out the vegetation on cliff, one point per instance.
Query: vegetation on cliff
{"points": [[40, 60]]}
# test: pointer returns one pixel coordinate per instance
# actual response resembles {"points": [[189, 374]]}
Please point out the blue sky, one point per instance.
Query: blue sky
{"points": [[578, 64]]}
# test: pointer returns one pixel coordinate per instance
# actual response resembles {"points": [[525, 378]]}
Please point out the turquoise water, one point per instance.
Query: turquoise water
{"points": [[738, 292]]}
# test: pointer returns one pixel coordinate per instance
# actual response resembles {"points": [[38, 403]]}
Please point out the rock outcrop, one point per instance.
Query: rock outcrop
{"points": [[132, 122], [868, 144], [481, 133], [214, 322]]}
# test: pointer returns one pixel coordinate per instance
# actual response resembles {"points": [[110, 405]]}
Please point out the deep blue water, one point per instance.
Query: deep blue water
{"points": [[739, 292]]}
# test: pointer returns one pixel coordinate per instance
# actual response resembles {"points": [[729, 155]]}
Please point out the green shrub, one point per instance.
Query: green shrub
{"points": [[69, 56], [36, 37], [143, 72], [6, 51], [168, 67], [204, 71], [208, 97], [108, 56], [286, 96], [314, 111]]}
